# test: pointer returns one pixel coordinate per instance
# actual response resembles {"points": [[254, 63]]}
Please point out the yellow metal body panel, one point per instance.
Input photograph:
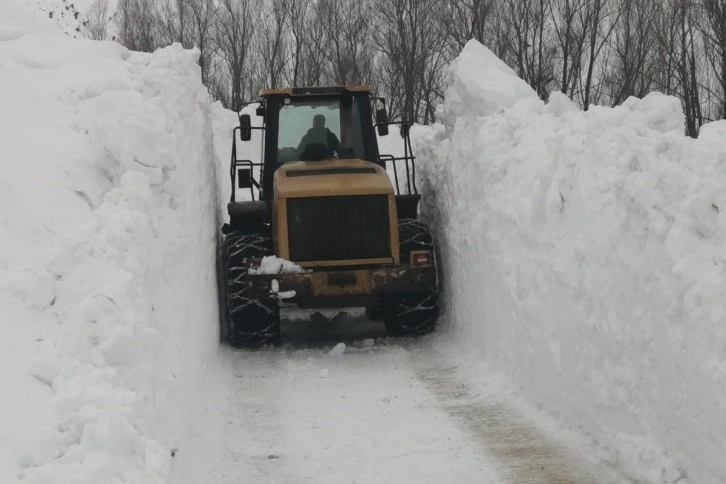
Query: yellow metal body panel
{"points": [[286, 186], [325, 185], [348, 282], [393, 217], [350, 262], [279, 228], [289, 90], [363, 284]]}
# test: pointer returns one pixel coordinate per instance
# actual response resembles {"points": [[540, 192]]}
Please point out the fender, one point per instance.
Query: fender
{"points": [[248, 215]]}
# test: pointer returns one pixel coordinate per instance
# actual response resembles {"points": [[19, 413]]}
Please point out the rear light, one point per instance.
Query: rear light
{"points": [[421, 258]]}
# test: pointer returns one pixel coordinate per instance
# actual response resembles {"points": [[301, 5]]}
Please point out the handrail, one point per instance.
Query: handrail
{"points": [[234, 163], [407, 157]]}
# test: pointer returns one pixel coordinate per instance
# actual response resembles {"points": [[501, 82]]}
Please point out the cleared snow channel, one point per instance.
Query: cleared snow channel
{"points": [[583, 259], [399, 411]]}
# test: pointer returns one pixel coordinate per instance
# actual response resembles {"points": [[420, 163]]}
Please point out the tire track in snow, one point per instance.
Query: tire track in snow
{"points": [[298, 415], [236, 434], [523, 451], [255, 412], [395, 413]]}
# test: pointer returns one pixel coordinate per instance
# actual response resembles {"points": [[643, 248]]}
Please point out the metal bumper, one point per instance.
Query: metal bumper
{"points": [[340, 288]]}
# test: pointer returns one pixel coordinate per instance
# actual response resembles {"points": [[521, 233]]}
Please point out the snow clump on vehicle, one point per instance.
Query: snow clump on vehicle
{"points": [[275, 265]]}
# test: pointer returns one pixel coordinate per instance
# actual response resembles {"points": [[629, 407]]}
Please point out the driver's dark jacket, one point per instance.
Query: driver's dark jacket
{"points": [[320, 135]]}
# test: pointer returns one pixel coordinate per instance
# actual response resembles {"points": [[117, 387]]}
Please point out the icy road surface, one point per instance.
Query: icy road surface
{"points": [[397, 412]]}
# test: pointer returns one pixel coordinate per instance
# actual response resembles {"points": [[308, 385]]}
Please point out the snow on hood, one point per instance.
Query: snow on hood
{"points": [[479, 83]]}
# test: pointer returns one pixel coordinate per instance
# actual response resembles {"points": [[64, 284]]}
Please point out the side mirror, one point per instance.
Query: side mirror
{"points": [[244, 178], [245, 132], [382, 121], [404, 130]]}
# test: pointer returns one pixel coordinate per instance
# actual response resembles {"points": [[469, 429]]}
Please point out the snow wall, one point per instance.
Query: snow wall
{"points": [[107, 265], [585, 258]]}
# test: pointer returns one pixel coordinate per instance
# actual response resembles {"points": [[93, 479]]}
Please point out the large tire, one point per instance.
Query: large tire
{"points": [[412, 314], [251, 322]]}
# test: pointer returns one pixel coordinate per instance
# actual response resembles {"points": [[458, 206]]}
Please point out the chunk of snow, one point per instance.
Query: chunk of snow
{"points": [[337, 350], [559, 104], [274, 265], [286, 295], [480, 84], [275, 289]]}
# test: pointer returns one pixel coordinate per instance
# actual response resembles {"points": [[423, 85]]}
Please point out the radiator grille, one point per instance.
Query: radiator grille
{"points": [[338, 228]]}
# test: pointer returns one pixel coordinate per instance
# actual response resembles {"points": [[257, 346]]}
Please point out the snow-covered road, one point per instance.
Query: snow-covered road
{"points": [[584, 257], [399, 411]]}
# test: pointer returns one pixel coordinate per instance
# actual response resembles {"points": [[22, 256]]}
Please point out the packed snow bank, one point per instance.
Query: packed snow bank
{"points": [[478, 82], [585, 257], [107, 266]]}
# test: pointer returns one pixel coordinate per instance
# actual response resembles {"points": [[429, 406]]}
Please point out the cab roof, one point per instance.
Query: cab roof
{"points": [[302, 91]]}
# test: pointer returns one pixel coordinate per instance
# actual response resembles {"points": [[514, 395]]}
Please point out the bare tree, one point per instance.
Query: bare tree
{"points": [[233, 38], [272, 48], [601, 19], [464, 20], [595, 51], [136, 24], [174, 24], [97, 20], [635, 65], [298, 13], [407, 42], [678, 61], [312, 71], [526, 44], [348, 49], [571, 24], [714, 32], [202, 16]]}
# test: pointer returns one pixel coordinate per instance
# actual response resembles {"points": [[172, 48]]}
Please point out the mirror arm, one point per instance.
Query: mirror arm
{"points": [[232, 167]]}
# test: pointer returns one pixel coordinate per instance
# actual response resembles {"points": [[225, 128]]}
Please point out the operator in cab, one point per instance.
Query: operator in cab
{"points": [[319, 142]]}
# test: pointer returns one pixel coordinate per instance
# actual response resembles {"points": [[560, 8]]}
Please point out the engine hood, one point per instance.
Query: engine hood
{"points": [[330, 178]]}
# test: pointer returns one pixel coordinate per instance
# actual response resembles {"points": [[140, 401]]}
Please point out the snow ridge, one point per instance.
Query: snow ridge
{"points": [[115, 247], [585, 257]]}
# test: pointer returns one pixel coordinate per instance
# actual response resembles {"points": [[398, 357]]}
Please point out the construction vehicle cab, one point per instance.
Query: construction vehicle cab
{"points": [[322, 198]]}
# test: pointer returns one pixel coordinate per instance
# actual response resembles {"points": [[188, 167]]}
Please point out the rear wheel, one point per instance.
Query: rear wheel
{"points": [[411, 314], [374, 313], [416, 313], [251, 322]]}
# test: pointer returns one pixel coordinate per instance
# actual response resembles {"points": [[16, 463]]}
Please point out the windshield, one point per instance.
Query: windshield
{"points": [[318, 130]]}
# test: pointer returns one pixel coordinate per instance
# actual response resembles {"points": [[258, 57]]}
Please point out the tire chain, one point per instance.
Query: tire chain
{"points": [[239, 249], [414, 235], [414, 314]]}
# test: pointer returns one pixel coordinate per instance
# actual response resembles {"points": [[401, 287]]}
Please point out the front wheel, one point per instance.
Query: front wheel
{"points": [[251, 322]]}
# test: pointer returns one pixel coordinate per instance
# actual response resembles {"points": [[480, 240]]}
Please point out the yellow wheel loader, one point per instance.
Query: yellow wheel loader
{"points": [[322, 198]]}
